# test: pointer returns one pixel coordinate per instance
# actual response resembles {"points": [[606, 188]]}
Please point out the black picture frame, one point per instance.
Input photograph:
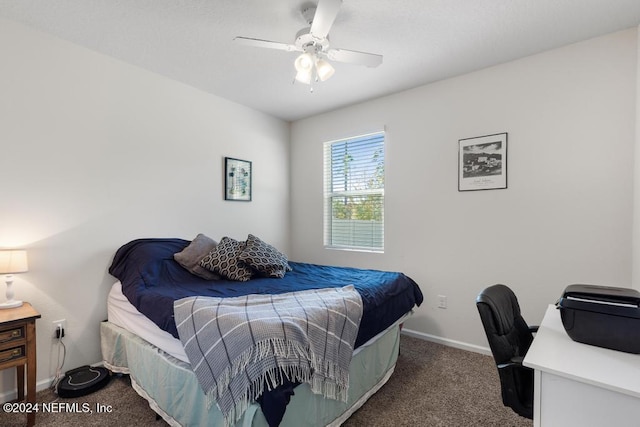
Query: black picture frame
{"points": [[482, 162], [238, 177]]}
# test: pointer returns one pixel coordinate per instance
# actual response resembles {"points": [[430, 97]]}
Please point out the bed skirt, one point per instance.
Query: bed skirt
{"points": [[172, 390]]}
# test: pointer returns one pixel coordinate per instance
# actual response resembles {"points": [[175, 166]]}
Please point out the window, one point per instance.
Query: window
{"points": [[354, 193]]}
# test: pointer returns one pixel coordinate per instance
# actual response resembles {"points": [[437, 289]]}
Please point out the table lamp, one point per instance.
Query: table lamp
{"points": [[11, 262]]}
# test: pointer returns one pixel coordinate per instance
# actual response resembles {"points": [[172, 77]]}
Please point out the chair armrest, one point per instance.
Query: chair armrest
{"points": [[515, 362]]}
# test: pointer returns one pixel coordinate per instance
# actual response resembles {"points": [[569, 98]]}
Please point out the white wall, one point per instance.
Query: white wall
{"points": [[94, 153], [565, 218]]}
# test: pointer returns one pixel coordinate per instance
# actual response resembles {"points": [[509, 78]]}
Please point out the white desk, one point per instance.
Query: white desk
{"points": [[581, 385]]}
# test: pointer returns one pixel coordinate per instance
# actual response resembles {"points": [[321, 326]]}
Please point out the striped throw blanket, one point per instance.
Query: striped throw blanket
{"points": [[235, 345]]}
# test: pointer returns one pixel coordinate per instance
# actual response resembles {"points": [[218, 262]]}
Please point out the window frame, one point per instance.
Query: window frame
{"points": [[329, 194]]}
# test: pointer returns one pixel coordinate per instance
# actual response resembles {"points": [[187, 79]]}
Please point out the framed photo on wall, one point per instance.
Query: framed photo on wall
{"points": [[237, 179], [482, 162]]}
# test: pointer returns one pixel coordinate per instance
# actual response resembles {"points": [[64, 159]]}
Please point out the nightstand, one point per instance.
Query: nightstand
{"points": [[18, 348]]}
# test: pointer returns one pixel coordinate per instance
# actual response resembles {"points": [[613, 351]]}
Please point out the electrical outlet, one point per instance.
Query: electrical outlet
{"points": [[442, 301], [59, 327]]}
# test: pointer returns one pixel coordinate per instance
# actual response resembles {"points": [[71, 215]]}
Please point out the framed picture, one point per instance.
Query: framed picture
{"points": [[482, 162], [237, 179]]}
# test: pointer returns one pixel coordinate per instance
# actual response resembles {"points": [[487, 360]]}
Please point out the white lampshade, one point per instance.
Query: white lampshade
{"points": [[304, 76], [13, 261], [324, 69], [304, 62], [304, 66]]}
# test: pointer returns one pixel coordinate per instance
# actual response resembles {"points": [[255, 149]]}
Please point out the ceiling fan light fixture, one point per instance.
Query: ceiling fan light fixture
{"points": [[312, 64], [324, 69]]}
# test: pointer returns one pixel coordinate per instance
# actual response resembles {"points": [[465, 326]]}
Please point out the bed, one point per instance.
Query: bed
{"points": [[140, 337]]}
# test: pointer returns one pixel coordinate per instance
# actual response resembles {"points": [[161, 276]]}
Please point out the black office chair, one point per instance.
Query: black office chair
{"points": [[509, 338]]}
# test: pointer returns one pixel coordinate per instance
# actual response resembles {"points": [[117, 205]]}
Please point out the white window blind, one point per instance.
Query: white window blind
{"points": [[354, 193]]}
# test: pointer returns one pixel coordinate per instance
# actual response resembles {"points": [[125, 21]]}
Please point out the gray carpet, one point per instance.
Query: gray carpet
{"points": [[433, 385]]}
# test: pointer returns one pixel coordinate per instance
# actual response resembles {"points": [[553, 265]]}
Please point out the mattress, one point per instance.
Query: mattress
{"points": [[122, 313]]}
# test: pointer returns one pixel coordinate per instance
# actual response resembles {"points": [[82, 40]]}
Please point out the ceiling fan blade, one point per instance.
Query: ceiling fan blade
{"points": [[354, 57], [326, 13], [265, 43]]}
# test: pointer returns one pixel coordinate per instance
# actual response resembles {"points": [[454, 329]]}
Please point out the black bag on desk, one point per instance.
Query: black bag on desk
{"points": [[603, 316]]}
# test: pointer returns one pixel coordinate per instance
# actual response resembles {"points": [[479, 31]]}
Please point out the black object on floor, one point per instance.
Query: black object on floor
{"points": [[82, 381]]}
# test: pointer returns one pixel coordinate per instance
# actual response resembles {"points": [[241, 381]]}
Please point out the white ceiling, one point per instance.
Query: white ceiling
{"points": [[422, 41]]}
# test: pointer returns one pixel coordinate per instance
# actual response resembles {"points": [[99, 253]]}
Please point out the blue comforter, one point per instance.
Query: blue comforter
{"points": [[152, 281]]}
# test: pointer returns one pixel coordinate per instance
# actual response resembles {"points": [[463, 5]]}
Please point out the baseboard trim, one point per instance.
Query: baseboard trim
{"points": [[446, 341], [11, 394]]}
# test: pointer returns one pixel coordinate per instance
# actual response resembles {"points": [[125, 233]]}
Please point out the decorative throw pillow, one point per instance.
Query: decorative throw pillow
{"points": [[264, 258], [190, 257], [223, 259]]}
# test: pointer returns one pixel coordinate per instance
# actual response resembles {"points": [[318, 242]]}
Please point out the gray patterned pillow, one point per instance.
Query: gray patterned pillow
{"points": [[223, 259], [264, 258], [190, 257]]}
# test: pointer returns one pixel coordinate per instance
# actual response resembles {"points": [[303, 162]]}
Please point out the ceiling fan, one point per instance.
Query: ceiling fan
{"points": [[313, 42]]}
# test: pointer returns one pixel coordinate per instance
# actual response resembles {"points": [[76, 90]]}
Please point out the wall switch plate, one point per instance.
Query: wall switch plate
{"points": [[442, 301]]}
